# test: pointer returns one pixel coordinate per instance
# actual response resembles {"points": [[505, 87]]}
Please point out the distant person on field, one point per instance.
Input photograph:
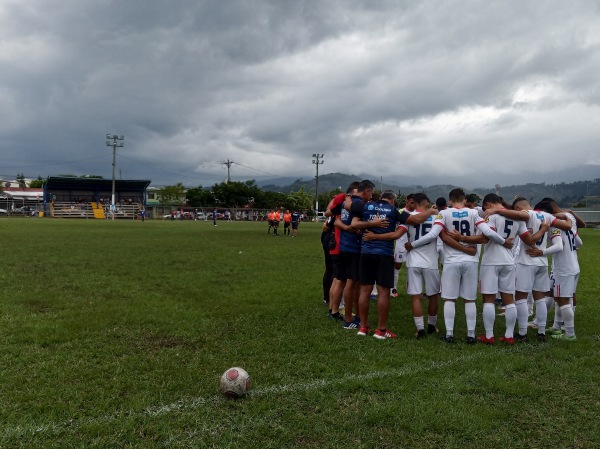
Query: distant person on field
{"points": [[287, 221], [295, 222], [271, 221], [214, 214]]}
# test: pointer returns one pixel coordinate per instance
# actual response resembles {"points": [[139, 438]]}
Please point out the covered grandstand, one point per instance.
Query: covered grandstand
{"points": [[71, 197]]}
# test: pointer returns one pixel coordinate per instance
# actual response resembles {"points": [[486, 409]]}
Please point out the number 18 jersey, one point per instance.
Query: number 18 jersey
{"points": [[463, 220]]}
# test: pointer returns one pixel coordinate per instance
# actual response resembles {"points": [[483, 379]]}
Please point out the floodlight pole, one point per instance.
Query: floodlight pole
{"points": [[317, 162], [117, 141]]}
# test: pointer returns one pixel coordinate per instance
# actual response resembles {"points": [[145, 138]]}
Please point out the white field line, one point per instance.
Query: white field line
{"points": [[211, 401]]}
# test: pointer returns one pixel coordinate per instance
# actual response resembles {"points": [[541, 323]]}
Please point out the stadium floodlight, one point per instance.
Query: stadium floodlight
{"points": [[117, 141], [317, 161]]}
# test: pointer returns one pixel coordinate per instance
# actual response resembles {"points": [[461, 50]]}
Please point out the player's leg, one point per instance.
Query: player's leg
{"points": [[564, 289], [385, 280], [488, 281], [450, 289], [468, 291], [541, 285], [414, 287], [432, 290], [506, 287], [524, 279]]}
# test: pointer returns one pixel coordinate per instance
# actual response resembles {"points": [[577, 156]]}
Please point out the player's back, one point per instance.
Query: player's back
{"points": [[565, 263], [425, 256], [532, 226], [463, 220], [494, 253]]}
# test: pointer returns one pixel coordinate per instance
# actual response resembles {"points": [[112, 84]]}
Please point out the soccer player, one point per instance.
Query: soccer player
{"points": [[295, 222], [532, 273], [459, 276], [421, 268], [497, 270], [565, 271], [377, 257], [271, 220], [287, 221], [276, 220], [400, 252]]}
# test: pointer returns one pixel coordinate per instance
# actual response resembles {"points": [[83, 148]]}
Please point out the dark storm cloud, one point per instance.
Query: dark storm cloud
{"points": [[266, 84]]}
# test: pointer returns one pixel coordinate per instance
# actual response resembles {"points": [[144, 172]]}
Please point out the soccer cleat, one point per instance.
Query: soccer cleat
{"points": [[394, 293], [420, 334], [541, 337], [350, 325], [486, 341], [532, 325], [501, 311], [565, 337], [507, 340], [431, 329], [363, 331], [384, 335], [471, 340], [521, 338], [447, 339], [335, 316], [554, 332]]}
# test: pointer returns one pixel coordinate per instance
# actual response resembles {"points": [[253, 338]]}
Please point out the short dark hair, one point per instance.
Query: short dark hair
{"points": [[546, 206], [410, 196], [492, 198], [441, 203], [352, 187], [473, 198], [419, 198], [365, 185], [457, 194], [388, 195], [518, 200]]}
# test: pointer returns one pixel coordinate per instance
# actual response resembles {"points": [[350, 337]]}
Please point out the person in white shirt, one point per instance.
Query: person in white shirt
{"points": [[459, 276], [565, 270]]}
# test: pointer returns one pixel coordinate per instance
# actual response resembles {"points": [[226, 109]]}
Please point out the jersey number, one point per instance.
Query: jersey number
{"points": [[462, 226], [571, 238], [507, 228], [422, 229]]}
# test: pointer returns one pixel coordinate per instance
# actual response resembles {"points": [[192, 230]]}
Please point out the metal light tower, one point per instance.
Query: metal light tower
{"points": [[117, 141], [317, 161]]}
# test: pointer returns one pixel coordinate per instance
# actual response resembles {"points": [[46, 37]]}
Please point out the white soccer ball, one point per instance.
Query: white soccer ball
{"points": [[235, 382]]}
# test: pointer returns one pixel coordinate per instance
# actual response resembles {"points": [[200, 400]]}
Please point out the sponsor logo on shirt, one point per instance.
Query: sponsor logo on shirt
{"points": [[459, 214]]}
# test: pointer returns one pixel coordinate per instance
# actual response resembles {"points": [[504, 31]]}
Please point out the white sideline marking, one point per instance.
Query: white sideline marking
{"points": [[195, 403]]}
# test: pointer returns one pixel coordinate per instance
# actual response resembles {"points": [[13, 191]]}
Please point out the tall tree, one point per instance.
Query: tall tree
{"points": [[172, 195]]}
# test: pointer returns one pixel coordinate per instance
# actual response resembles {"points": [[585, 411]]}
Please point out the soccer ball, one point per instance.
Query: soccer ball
{"points": [[235, 382]]}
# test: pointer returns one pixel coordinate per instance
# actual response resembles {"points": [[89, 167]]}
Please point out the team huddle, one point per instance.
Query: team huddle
{"points": [[366, 239]]}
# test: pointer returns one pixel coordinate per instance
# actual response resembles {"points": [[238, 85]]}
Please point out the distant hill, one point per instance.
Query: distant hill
{"points": [[566, 194]]}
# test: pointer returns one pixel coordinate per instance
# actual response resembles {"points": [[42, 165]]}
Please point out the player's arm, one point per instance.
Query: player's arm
{"points": [[415, 219], [470, 250], [578, 219], [493, 235], [425, 239], [564, 223], [557, 246], [399, 232], [530, 239], [519, 215], [358, 224], [471, 239]]}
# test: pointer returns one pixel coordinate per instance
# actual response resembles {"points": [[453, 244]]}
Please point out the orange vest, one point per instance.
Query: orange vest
{"points": [[271, 216], [287, 218]]}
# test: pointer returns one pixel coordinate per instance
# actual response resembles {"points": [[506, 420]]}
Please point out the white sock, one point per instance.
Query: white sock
{"points": [[549, 303], [419, 322], [510, 315], [432, 319], [572, 304], [541, 315], [530, 303], [557, 318], [489, 315], [374, 291], [449, 314], [471, 315], [522, 316], [396, 274], [569, 318]]}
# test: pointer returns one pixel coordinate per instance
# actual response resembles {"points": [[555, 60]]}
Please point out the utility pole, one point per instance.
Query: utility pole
{"points": [[229, 164], [117, 141], [317, 161]]}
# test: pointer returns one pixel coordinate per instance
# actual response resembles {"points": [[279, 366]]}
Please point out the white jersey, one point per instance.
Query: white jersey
{"points": [[425, 256], [532, 226], [495, 254], [466, 221], [565, 263]]}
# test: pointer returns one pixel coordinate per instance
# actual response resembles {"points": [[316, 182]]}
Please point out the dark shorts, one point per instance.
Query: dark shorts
{"points": [[294, 225], [352, 264], [339, 268], [375, 268], [286, 224]]}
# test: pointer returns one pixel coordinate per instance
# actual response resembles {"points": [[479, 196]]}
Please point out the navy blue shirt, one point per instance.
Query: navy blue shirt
{"points": [[382, 209], [350, 241]]}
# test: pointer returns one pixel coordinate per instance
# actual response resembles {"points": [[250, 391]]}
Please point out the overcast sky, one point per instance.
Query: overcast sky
{"points": [[437, 90]]}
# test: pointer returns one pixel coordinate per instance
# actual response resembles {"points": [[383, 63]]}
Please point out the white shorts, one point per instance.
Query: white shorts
{"points": [[530, 277], [564, 286], [496, 278], [415, 277], [399, 249], [459, 280]]}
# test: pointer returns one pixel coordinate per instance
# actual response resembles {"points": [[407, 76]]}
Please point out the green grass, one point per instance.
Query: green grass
{"points": [[114, 334]]}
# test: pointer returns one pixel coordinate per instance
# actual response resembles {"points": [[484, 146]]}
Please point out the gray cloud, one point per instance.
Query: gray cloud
{"points": [[433, 88]]}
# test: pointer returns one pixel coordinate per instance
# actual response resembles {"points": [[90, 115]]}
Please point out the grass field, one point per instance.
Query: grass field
{"points": [[115, 334]]}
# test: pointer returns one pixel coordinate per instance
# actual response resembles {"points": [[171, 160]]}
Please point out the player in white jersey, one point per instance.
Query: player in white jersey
{"points": [[459, 277], [399, 249], [497, 270], [565, 271], [532, 273]]}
